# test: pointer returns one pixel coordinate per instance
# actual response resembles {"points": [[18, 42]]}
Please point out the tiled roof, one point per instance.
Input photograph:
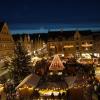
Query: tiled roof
{"points": [[56, 34], [53, 85], [85, 33], [31, 80], [69, 35]]}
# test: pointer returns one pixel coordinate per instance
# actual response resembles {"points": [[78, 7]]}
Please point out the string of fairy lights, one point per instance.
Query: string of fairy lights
{"points": [[73, 86]]}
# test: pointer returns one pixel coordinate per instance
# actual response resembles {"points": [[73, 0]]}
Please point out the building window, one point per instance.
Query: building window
{"points": [[83, 48], [77, 48], [91, 48], [86, 48], [82, 42], [77, 38], [68, 48], [90, 42], [77, 43], [63, 49]]}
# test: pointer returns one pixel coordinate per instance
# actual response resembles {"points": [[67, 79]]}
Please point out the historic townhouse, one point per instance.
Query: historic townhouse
{"points": [[6, 41], [75, 43]]}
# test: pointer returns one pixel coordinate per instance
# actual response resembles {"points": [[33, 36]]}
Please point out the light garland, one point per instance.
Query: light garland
{"points": [[56, 90]]}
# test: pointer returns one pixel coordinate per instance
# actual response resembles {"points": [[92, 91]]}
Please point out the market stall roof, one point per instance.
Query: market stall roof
{"points": [[53, 85], [56, 64], [70, 80], [30, 80], [4, 72], [80, 80], [76, 80]]}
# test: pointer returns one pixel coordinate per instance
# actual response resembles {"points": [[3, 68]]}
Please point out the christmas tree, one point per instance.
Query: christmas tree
{"points": [[20, 64]]}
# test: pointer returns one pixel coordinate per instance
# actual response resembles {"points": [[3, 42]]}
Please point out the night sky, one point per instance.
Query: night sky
{"points": [[50, 14]]}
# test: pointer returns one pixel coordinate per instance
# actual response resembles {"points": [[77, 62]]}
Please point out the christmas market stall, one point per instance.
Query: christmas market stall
{"points": [[54, 83], [27, 86]]}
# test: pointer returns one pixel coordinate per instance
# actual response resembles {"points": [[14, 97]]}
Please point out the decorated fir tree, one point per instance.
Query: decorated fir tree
{"points": [[20, 64]]}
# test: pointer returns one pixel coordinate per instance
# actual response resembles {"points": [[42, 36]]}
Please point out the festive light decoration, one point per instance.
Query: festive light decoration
{"points": [[87, 45], [56, 64], [97, 72], [1, 88], [68, 46], [56, 91]]}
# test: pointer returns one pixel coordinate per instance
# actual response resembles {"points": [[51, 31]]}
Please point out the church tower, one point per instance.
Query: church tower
{"points": [[77, 39]]}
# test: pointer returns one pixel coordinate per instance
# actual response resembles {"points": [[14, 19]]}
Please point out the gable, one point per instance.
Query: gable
{"points": [[4, 29], [4, 32], [77, 35]]}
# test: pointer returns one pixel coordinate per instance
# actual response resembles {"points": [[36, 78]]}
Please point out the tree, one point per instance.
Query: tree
{"points": [[6, 65], [20, 64], [41, 67]]}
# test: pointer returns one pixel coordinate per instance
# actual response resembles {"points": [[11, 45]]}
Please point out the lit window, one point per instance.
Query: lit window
{"points": [[51, 73], [59, 73], [90, 42], [77, 43], [77, 48], [82, 42]]}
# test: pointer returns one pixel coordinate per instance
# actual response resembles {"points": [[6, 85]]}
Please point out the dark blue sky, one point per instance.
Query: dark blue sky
{"points": [[32, 14]]}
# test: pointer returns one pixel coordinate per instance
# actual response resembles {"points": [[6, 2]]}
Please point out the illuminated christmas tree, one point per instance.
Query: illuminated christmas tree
{"points": [[20, 64]]}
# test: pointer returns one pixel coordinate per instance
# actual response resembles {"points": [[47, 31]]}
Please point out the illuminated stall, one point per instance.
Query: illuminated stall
{"points": [[26, 87], [55, 83]]}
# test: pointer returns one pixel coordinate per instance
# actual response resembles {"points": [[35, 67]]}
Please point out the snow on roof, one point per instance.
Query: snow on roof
{"points": [[31, 80], [4, 72]]}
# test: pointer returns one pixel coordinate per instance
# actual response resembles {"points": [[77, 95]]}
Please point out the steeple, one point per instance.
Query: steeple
{"points": [[25, 39], [77, 35], [28, 38], [20, 39]]}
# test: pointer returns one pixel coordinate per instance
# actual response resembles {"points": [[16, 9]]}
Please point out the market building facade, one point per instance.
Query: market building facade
{"points": [[6, 41], [74, 43]]}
